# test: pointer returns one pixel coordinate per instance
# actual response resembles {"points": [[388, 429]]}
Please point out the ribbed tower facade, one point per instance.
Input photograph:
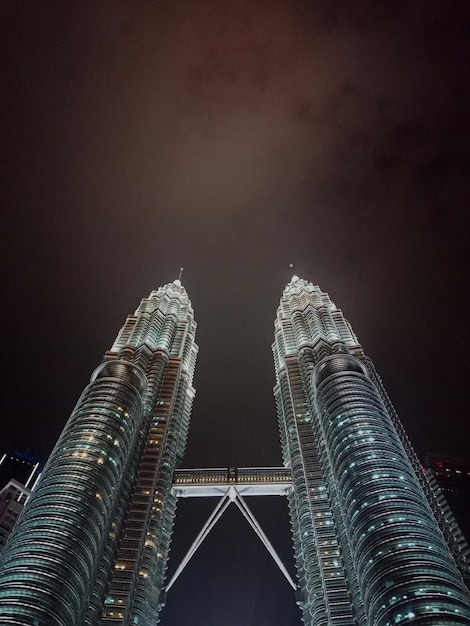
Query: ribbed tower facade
{"points": [[368, 545], [92, 543]]}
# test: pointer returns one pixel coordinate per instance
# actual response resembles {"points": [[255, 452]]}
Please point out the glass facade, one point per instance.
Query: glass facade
{"points": [[19, 465], [374, 542], [92, 543], [19, 472], [368, 547]]}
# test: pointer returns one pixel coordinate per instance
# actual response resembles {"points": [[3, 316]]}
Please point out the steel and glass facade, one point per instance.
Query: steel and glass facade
{"points": [[368, 546], [373, 544], [91, 545], [19, 472]]}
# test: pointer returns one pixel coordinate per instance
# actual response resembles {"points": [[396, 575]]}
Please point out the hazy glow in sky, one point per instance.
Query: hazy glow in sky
{"points": [[235, 139]]}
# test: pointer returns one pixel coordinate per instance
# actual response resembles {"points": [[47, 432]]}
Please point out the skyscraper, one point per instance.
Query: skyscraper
{"points": [[92, 544], [372, 545], [369, 550], [20, 465], [19, 471]]}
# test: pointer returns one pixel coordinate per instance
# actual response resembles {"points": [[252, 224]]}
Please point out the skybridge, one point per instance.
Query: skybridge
{"points": [[231, 485], [247, 481]]}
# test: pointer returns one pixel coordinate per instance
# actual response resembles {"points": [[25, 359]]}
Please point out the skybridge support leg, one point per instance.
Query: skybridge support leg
{"points": [[231, 495], [213, 518], [248, 515]]}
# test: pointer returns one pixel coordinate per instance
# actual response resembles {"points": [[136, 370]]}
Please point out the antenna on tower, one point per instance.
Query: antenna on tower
{"points": [[177, 282], [294, 277]]}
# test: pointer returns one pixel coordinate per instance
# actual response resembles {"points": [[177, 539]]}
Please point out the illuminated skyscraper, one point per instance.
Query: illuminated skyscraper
{"points": [[96, 530], [19, 465], [372, 543], [19, 471], [369, 550]]}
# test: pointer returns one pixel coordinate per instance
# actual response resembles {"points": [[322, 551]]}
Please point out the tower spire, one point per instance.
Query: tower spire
{"points": [[294, 275], [358, 488], [177, 282], [106, 473]]}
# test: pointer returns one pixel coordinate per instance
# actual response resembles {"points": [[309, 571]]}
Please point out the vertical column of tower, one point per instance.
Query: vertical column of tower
{"points": [[317, 531], [402, 563], [160, 338], [51, 561], [395, 560], [98, 525]]}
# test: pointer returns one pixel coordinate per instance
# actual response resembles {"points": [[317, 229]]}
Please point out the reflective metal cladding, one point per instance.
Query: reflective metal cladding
{"points": [[92, 544], [369, 549], [373, 544]]}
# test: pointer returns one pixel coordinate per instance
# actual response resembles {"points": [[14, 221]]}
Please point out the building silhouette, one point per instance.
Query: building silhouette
{"points": [[450, 480], [19, 471], [13, 498], [368, 548], [20, 465], [92, 543]]}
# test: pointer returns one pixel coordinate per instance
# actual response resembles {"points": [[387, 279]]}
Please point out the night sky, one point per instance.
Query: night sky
{"points": [[234, 138]]}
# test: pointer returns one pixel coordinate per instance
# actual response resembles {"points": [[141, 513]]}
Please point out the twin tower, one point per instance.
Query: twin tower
{"points": [[372, 545]]}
